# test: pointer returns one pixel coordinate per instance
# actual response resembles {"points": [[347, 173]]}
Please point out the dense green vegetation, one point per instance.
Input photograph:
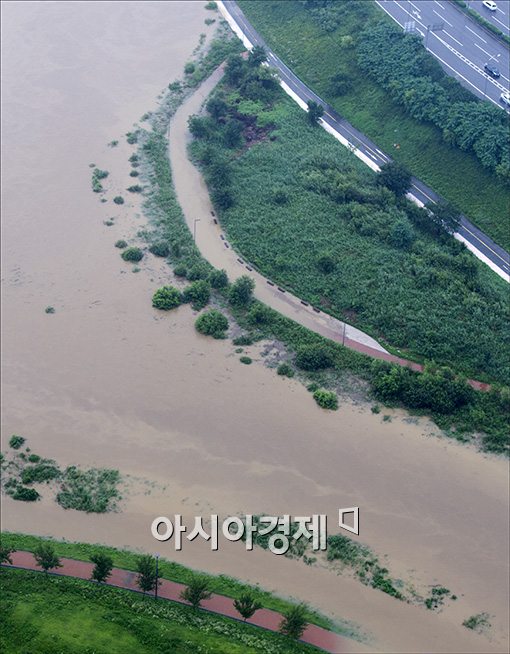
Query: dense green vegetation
{"points": [[221, 584], [46, 614], [484, 412], [327, 61], [342, 241]]}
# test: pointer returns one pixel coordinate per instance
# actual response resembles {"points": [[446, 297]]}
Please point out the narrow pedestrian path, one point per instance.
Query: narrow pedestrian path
{"points": [[220, 604], [193, 197]]}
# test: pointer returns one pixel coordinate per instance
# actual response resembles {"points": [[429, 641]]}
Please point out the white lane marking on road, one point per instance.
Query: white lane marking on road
{"points": [[453, 38], [504, 24], [438, 3], [472, 32], [480, 48], [441, 17], [412, 3]]}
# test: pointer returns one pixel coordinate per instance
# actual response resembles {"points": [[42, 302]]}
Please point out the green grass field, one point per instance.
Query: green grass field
{"points": [[221, 584], [45, 614], [316, 56]]}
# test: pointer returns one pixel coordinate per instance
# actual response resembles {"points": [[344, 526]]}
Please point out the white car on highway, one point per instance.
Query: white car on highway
{"points": [[490, 5], [505, 98]]}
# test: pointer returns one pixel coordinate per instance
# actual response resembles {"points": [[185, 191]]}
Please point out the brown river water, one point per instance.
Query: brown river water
{"points": [[107, 381]]}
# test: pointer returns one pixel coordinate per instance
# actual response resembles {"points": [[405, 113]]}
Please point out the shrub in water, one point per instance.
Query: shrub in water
{"points": [[16, 441], [25, 494], [245, 360], [285, 370], [180, 270], [166, 298], [198, 294], [121, 244], [118, 199], [132, 254], [326, 399], [39, 473], [136, 188], [160, 249], [245, 339], [212, 323]]}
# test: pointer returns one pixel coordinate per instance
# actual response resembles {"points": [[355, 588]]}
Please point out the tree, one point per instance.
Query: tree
{"points": [[246, 606], [294, 622], [212, 323], [217, 107], [257, 56], [444, 215], [315, 111], [241, 291], [196, 591], [166, 298], [395, 177], [46, 558], [5, 554], [146, 579], [102, 568], [234, 70], [326, 399]]}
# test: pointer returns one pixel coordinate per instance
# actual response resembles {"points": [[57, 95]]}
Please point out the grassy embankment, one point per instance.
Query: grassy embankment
{"points": [[317, 56], [485, 412], [48, 614], [127, 560]]}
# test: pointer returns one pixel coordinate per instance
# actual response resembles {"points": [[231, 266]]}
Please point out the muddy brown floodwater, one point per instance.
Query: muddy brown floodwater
{"points": [[107, 381]]}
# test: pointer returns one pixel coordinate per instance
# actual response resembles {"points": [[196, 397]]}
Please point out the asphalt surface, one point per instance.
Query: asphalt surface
{"points": [[461, 45], [499, 18], [495, 253]]}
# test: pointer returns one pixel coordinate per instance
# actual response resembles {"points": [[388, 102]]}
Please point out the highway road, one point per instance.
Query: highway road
{"points": [[499, 18], [478, 242], [461, 45]]}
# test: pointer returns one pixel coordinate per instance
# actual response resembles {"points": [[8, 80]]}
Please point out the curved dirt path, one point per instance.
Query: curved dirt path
{"points": [[171, 590], [193, 197]]}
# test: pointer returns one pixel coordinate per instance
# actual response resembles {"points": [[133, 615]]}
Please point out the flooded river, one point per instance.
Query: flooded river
{"points": [[108, 381]]}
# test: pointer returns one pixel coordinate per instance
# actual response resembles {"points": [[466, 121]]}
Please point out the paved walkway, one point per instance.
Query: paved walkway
{"points": [[171, 590]]}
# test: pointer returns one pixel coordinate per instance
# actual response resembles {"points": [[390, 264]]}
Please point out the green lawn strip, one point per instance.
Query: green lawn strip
{"points": [[125, 559], [316, 56], [46, 614]]}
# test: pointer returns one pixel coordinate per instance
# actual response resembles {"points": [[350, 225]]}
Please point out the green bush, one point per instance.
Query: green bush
{"points": [[135, 188], [198, 271], [198, 294], [132, 254], [212, 323], [241, 291], [166, 298], [160, 249], [49, 309], [134, 173], [259, 314], [25, 494], [218, 279], [245, 339], [314, 357], [16, 441], [121, 244], [285, 370], [39, 473], [180, 270], [189, 68], [118, 199], [245, 360], [326, 399]]}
